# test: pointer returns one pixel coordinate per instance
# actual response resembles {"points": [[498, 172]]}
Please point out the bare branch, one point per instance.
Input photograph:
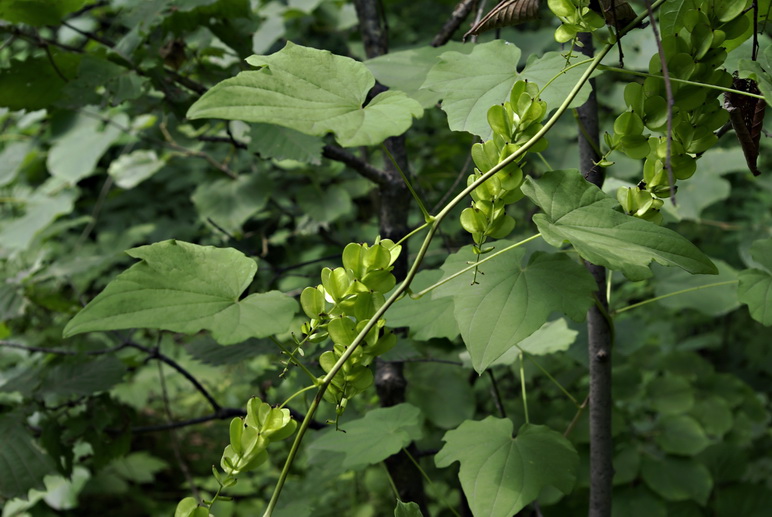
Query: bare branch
{"points": [[458, 16], [338, 154], [156, 354]]}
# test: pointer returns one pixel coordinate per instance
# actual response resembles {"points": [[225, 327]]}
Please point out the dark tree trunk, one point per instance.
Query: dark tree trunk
{"points": [[598, 328], [394, 202]]}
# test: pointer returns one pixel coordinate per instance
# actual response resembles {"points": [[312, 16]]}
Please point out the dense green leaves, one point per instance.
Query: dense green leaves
{"points": [[578, 212], [187, 288], [311, 91], [533, 460], [86, 138], [228, 203], [38, 12], [34, 83], [677, 479]]}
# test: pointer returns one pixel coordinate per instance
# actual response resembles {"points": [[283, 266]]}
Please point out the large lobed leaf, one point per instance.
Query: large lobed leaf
{"points": [[469, 84], [501, 474], [314, 92], [373, 438], [512, 301], [184, 287], [578, 212]]}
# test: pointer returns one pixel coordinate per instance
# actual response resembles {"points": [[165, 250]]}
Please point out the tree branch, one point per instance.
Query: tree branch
{"points": [[598, 324], [458, 16], [156, 354], [339, 154]]}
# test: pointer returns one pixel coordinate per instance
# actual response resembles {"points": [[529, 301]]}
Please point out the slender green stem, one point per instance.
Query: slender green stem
{"points": [[418, 229], [473, 266], [574, 420], [428, 480], [522, 388], [545, 162], [683, 81], [296, 394], [427, 217], [549, 376], [563, 71], [676, 293], [585, 134], [292, 358], [402, 288], [391, 480]]}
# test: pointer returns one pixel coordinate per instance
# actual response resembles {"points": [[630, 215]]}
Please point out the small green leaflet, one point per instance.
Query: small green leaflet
{"points": [[755, 289], [578, 212], [538, 457], [187, 288], [314, 92], [376, 436], [407, 510]]}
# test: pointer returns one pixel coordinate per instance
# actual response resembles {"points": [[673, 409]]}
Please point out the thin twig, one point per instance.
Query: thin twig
{"points": [[670, 102], [496, 395], [461, 175], [156, 354], [197, 154], [458, 16], [478, 17], [377, 176], [221, 414], [174, 436]]}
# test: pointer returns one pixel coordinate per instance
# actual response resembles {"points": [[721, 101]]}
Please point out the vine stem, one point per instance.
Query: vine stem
{"points": [[682, 81], [405, 284], [477, 264], [523, 391], [675, 293]]}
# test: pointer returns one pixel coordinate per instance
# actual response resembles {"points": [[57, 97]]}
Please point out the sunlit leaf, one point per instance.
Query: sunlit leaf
{"points": [[578, 212], [311, 91], [500, 474], [186, 288]]}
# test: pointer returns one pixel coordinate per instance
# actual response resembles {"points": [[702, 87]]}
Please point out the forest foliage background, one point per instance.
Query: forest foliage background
{"points": [[97, 157]]}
